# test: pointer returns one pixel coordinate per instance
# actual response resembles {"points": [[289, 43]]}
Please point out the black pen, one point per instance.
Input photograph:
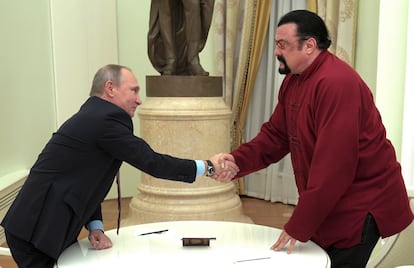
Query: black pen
{"points": [[155, 232]]}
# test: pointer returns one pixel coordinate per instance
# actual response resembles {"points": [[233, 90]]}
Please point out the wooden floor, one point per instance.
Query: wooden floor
{"points": [[260, 211]]}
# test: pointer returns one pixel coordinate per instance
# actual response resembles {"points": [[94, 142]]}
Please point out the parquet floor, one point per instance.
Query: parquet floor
{"points": [[260, 211]]}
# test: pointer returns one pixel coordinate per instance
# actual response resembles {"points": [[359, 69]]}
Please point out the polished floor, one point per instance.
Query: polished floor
{"points": [[260, 211]]}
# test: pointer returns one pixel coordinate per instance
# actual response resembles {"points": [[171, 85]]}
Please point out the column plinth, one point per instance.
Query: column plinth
{"points": [[185, 116]]}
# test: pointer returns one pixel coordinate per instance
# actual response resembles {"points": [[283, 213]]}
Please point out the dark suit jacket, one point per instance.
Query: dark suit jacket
{"points": [[75, 171]]}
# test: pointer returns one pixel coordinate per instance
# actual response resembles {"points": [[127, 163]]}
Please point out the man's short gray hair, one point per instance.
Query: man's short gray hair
{"points": [[111, 72]]}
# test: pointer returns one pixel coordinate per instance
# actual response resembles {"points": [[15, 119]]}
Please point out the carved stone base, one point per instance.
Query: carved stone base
{"points": [[187, 126]]}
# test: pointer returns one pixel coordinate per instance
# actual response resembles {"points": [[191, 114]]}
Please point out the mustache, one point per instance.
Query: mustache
{"points": [[282, 59]]}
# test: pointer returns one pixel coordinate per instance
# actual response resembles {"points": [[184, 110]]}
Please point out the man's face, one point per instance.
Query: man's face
{"points": [[289, 50], [126, 95]]}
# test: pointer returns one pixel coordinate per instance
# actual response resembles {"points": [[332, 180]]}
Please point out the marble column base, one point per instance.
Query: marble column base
{"points": [[187, 126]]}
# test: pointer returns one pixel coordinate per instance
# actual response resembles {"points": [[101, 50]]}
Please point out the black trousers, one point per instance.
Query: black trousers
{"points": [[26, 255], [356, 256]]}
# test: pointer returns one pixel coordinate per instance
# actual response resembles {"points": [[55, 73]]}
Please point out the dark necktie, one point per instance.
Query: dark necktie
{"points": [[118, 183]]}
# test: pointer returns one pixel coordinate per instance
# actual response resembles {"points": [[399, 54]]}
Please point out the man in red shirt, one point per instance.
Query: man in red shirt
{"points": [[350, 186]]}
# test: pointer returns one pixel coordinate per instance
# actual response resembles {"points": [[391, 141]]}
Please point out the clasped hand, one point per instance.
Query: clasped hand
{"points": [[225, 166]]}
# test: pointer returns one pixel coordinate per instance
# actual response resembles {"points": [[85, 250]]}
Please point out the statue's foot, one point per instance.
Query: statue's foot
{"points": [[169, 68], [196, 69], [168, 72]]}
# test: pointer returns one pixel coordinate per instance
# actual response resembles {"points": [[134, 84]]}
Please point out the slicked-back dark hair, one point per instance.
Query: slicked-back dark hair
{"points": [[308, 25]]}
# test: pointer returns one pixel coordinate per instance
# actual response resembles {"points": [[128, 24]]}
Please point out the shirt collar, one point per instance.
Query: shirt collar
{"points": [[314, 66]]}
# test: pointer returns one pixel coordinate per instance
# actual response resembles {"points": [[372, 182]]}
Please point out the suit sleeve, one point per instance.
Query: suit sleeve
{"points": [[119, 141], [96, 216]]}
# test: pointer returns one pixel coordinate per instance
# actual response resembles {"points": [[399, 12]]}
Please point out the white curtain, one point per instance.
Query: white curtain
{"points": [[407, 152], [275, 183]]}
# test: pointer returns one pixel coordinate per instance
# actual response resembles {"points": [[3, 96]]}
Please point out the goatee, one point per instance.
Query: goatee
{"points": [[285, 69]]}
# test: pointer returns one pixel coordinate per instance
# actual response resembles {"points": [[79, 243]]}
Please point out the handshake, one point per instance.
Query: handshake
{"points": [[225, 168]]}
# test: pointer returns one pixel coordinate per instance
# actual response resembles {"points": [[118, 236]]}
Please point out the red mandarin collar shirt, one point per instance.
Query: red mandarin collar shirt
{"points": [[343, 164]]}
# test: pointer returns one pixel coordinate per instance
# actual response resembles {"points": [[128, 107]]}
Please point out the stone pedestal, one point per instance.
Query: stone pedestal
{"points": [[185, 116]]}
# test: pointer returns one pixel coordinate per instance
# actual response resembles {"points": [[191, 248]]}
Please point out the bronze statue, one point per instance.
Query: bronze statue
{"points": [[178, 31]]}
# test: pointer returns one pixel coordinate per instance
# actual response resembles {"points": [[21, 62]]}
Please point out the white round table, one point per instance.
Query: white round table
{"points": [[233, 245]]}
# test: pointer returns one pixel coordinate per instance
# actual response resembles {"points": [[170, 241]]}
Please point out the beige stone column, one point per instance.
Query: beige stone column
{"points": [[185, 116]]}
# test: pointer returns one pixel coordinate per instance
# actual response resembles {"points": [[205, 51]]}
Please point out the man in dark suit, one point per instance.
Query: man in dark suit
{"points": [[77, 167]]}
